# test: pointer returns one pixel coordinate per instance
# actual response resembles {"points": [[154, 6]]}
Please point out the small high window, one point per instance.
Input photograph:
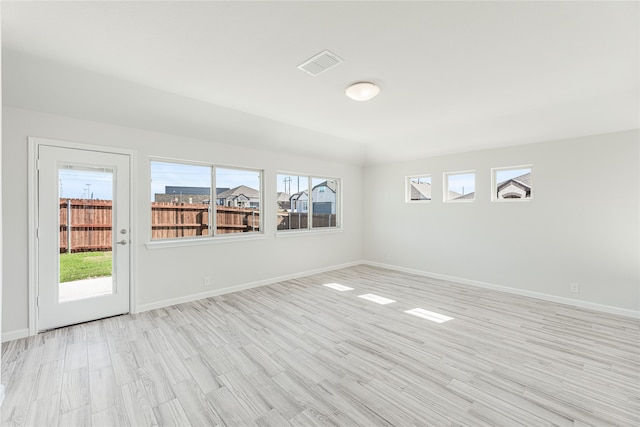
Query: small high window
{"points": [[418, 188], [460, 186], [511, 183]]}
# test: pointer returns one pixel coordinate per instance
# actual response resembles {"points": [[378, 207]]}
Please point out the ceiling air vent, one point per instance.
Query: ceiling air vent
{"points": [[320, 63]]}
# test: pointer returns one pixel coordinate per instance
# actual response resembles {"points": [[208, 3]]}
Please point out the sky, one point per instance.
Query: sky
{"points": [[291, 184], [99, 185], [503, 175], [462, 183], [465, 183], [181, 175], [79, 184]]}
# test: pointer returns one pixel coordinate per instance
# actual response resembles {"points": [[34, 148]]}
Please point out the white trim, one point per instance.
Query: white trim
{"points": [[241, 287], [15, 335], [221, 238], [538, 295], [307, 232], [1, 394], [32, 216], [33, 144]]}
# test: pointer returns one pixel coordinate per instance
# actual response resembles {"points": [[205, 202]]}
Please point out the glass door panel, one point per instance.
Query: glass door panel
{"points": [[86, 223]]}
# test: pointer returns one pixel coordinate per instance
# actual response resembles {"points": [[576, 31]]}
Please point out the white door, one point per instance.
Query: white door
{"points": [[82, 236]]}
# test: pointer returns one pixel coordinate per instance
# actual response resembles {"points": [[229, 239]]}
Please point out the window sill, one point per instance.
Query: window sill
{"points": [[300, 233], [526, 199], [175, 243]]}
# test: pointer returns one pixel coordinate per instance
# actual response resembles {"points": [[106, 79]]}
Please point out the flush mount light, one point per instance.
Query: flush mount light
{"points": [[362, 91]]}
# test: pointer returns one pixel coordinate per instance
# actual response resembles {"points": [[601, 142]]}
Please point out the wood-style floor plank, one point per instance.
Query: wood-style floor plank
{"points": [[300, 353]]}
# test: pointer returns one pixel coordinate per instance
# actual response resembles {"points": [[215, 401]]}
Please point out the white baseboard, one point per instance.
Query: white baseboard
{"points": [[230, 289], [15, 335], [22, 333], [538, 295]]}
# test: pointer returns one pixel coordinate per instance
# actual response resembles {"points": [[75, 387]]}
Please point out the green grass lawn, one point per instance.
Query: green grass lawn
{"points": [[84, 265]]}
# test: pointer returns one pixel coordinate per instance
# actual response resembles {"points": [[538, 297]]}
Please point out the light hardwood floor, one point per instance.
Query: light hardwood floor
{"points": [[301, 353]]}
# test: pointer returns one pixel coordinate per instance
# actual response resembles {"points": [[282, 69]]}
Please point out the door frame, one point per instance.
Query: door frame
{"points": [[34, 144]]}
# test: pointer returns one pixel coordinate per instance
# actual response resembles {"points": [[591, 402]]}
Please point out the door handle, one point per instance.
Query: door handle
{"points": [[122, 242]]}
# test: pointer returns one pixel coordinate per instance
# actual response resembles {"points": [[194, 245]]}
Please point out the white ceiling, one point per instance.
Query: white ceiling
{"points": [[455, 76]]}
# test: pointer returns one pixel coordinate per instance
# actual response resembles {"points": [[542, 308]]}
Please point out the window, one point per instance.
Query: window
{"points": [[324, 201], [301, 209], [293, 194], [180, 200], [183, 205], [418, 188], [238, 198], [511, 184], [460, 186]]}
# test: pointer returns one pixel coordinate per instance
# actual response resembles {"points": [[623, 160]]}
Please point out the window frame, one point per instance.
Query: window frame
{"points": [[213, 236], [494, 184], [445, 185], [407, 188]]}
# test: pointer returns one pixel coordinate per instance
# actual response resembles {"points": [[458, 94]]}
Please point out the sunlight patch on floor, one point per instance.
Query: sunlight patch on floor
{"points": [[377, 299], [429, 315], [338, 287]]}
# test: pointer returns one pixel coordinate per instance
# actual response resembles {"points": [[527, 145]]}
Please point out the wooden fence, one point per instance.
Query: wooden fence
{"points": [[85, 225], [297, 220], [169, 220]]}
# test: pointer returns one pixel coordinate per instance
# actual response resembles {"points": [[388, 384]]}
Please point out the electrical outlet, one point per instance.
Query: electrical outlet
{"points": [[206, 281], [574, 288]]}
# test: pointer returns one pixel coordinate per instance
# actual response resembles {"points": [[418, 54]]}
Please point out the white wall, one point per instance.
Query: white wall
{"points": [[173, 273], [582, 224]]}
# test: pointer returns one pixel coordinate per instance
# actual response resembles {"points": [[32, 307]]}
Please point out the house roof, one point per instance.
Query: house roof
{"points": [[468, 196], [282, 197], [331, 185], [466, 94], [522, 179], [240, 190], [420, 191], [296, 196]]}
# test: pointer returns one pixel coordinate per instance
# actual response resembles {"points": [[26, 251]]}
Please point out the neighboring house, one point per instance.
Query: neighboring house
{"points": [[299, 202], [323, 196], [457, 196], [515, 188], [284, 201], [186, 195], [420, 191], [239, 197]]}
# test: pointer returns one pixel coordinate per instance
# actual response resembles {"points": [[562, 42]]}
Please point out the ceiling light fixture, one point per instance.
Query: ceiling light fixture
{"points": [[362, 91]]}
